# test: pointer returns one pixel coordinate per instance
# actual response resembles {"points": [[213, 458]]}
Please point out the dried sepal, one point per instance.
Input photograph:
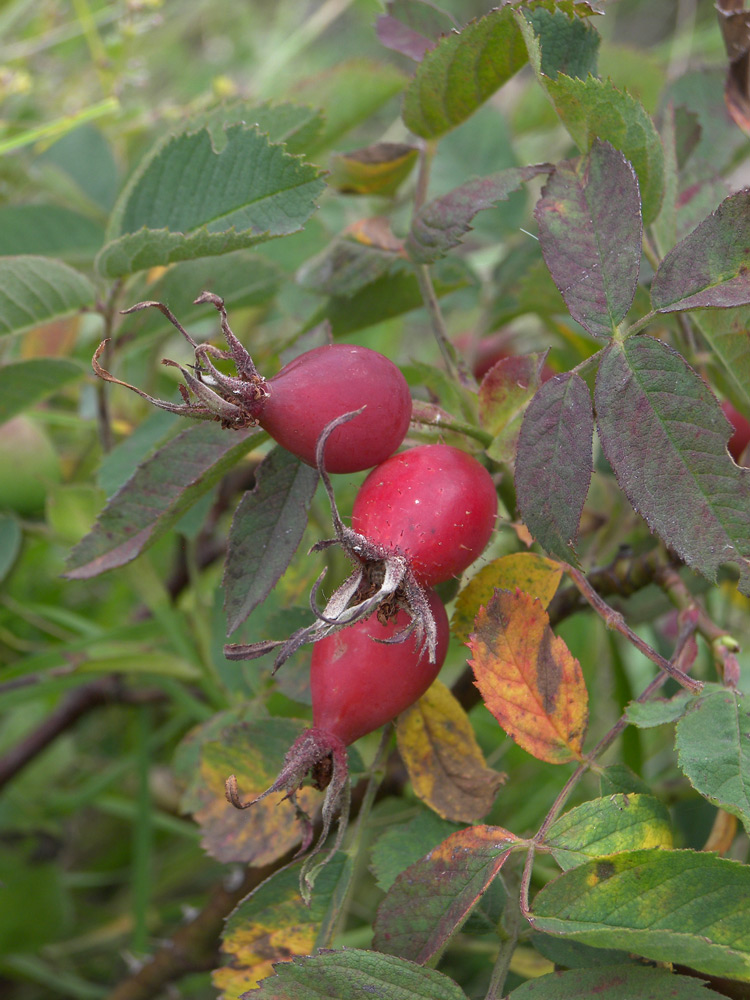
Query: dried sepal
{"points": [[234, 400]]}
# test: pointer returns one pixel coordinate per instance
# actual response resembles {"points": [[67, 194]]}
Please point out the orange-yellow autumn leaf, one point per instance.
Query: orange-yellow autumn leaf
{"points": [[445, 763], [528, 678], [526, 571]]}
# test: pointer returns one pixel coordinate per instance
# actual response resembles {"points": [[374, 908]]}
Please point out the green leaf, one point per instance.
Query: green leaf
{"points": [[606, 826], [711, 266], [595, 109], [119, 464], [462, 72], [430, 900], [726, 332], [189, 201], [352, 974], [686, 907], [614, 982], [590, 234], [10, 543], [349, 264], [48, 230], [23, 383], [713, 746], [403, 844], [665, 437], [378, 169], [85, 156], [569, 45], [504, 395], [297, 126], [266, 530], [35, 290], [273, 924], [157, 495], [440, 224], [554, 463], [658, 711]]}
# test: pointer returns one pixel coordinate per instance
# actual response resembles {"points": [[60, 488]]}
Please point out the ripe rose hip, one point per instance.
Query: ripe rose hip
{"points": [[434, 504], [358, 684], [740, 439], [322, 384]]}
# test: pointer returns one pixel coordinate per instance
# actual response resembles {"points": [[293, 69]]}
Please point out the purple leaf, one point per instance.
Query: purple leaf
{"points": [[266, 529], [711, 266], [441, 223], [413, 27], [666, 439], [553, 463], [590, 231]]}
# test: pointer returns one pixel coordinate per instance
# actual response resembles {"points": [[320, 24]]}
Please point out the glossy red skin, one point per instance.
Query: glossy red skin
{"points": [[739, 441], [322, 384], [359, 684], [434, 504]]}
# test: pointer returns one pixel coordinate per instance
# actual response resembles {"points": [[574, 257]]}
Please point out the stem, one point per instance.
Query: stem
{"points": [[453, 363], [640, 324], [512, 915], [60, 126], [613, 619]]}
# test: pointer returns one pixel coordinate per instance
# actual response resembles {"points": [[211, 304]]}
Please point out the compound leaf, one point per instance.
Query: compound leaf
{"points": [[442, 757], [430, 901], [590, 233], [713, 746], [665, 437], [687, 907], [266, 529], [160, 491], [554, 462], [528, 678]]}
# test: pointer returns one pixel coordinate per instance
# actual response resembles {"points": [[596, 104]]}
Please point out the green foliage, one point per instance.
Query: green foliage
{"points": [[545, 229]]}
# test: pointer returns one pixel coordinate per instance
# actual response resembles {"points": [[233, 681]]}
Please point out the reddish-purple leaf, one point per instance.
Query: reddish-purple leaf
{"points": [[553, 463], [666, 439], [413, 27], [160, 491], [711, 266], [590, 231], [441, 223], [266, 529], [431, 899]]}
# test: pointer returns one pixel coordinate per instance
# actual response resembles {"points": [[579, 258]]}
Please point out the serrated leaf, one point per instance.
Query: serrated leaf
{"points": [[191, 201], [379, 169], [403, 844], [443, 759], [590, 234], [654, 903], [615, 982], [595, 109], [23, 383], [554, 462], [528, 678], [350, 974], [569, 45], [254, 752], [273, 924], [711, 266], [429, 902], [658, 711], [35, 290], [525, 571], [462, 72], [665, 437], [713, 747], [606, 826], [504, 394], [160, 491], [49, 231], [10, 543], [266, 530], [726, 332], [440, 224]]}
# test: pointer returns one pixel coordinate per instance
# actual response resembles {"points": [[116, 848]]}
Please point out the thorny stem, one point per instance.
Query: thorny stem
{"points": [[590, 762], [613, 619]]}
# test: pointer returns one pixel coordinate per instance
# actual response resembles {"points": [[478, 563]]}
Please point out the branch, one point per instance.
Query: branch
{"points": [[103, 691]]}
